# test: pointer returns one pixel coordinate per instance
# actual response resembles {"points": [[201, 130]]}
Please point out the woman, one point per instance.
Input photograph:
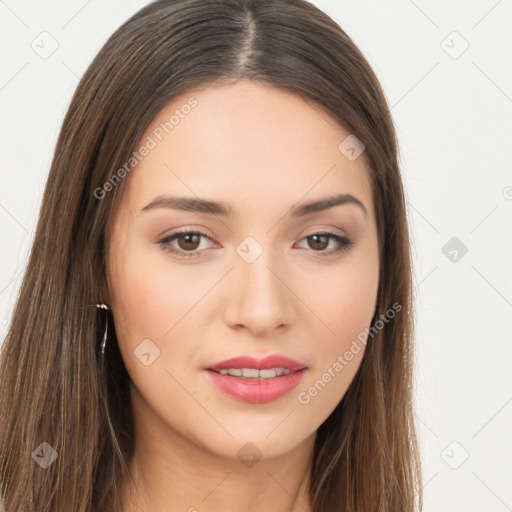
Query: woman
{"points": [[217, 313]]}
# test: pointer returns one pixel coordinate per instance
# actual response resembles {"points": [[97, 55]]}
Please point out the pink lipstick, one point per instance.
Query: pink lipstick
{"points": [[254, 380]]}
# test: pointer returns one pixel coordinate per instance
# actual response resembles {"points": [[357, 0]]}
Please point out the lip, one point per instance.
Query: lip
{"points": [[256, 391], [265, 363]]}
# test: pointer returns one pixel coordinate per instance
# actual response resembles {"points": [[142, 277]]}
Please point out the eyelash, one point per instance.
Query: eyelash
{"points": [[344, 243]]}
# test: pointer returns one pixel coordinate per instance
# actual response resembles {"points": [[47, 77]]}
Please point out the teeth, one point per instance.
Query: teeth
{"points": [[250, 372], [253, 373]]}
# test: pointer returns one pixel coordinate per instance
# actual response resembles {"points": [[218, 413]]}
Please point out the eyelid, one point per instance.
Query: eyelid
{"points": [[344, 242], [166, 240]]}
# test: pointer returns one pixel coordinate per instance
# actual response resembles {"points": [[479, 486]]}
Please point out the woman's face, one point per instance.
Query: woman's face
{"points": [[234, 168]]}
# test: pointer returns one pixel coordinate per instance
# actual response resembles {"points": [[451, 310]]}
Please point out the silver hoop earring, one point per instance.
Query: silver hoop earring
{"points": [[104, 308]]}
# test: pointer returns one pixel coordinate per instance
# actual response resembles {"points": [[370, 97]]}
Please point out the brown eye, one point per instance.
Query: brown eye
{"points": [[185, 243], [188, 241], [318, 242]]}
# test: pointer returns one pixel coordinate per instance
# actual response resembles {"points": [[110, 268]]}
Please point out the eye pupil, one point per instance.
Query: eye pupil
{"points": [[190, 242], [317, 242]]}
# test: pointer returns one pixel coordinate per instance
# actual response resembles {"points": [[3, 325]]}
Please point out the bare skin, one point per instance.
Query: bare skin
{"points": [[262, 152]]}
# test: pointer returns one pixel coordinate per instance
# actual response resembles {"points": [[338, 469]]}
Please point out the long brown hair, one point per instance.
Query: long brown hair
{"points": [[54, 385]]}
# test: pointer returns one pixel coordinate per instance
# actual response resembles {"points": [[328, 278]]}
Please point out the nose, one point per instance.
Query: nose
{"points": [[258, 298]]}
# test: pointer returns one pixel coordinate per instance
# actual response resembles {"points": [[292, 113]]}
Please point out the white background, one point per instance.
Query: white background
{"points": [[453, 117]]}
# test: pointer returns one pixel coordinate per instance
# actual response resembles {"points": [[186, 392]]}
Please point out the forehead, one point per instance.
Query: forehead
{"points": [[249, 145]]}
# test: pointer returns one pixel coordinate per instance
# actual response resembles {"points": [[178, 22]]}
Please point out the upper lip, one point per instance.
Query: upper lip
{"points": [[265, 363]]}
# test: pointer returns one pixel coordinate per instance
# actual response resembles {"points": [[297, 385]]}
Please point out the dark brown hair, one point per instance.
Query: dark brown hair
{"points": [[54, 386]]}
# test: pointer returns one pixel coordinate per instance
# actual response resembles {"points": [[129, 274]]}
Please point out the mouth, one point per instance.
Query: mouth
{"points": [[256, 381], [253, 373]]}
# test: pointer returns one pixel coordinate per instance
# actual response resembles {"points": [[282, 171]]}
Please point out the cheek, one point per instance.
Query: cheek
{"points": [[346, 307], [160, 302], [351, 304], [344, 300], [148, 295]]}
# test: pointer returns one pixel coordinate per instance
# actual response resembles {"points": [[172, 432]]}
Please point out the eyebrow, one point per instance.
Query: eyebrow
{"points": [[191, 204]]}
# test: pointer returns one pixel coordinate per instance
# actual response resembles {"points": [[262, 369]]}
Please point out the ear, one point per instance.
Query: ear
{"points": [[104, 292]]}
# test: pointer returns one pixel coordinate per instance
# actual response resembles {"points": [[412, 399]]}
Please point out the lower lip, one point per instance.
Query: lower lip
{"points": [[256, 391]]}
